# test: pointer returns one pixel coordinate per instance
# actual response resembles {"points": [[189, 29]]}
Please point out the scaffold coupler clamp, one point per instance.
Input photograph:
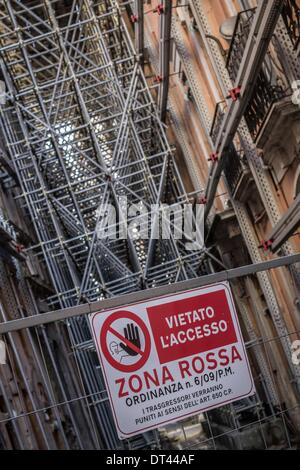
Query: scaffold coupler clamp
{"points": [[234, 93], [134, 18], [214, 157], [159, 9], [202, 200], [158, 79], [266, 245]]}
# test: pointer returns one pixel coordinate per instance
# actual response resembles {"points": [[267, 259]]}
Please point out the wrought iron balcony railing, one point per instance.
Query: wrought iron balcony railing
{"points": [[239, 40], [220, 112], [291, 18], [234, 169], [267, 91]]}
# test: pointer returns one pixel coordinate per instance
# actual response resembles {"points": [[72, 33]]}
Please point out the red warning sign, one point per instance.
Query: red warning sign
{"points": [[171, 357], [191, 325], [130, 343]]}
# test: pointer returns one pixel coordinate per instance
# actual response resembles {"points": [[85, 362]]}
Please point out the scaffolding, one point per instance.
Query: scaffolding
{"points": [[82, 130]]}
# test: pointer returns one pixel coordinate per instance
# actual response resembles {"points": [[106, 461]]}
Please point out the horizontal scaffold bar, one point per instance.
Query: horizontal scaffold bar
{"points": [[144, 295]]}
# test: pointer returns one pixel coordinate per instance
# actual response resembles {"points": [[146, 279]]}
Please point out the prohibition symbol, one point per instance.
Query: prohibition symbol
{"points": [[135, 342]]}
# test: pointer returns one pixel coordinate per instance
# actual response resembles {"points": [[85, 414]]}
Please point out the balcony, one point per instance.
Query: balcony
{"points": [[269, 89], [220, 112], [237, 173], [291, 18], [239, 40], [271, 85]]}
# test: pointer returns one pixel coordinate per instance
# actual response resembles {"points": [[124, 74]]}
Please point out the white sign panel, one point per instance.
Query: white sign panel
{"points": [[171, 357]]}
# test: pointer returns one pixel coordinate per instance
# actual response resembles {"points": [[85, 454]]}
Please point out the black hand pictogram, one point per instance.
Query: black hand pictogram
{"points": [[131, 333]]}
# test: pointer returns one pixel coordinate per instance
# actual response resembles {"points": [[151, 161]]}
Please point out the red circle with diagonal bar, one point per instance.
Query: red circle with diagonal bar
{"points": [[142, 354]]}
